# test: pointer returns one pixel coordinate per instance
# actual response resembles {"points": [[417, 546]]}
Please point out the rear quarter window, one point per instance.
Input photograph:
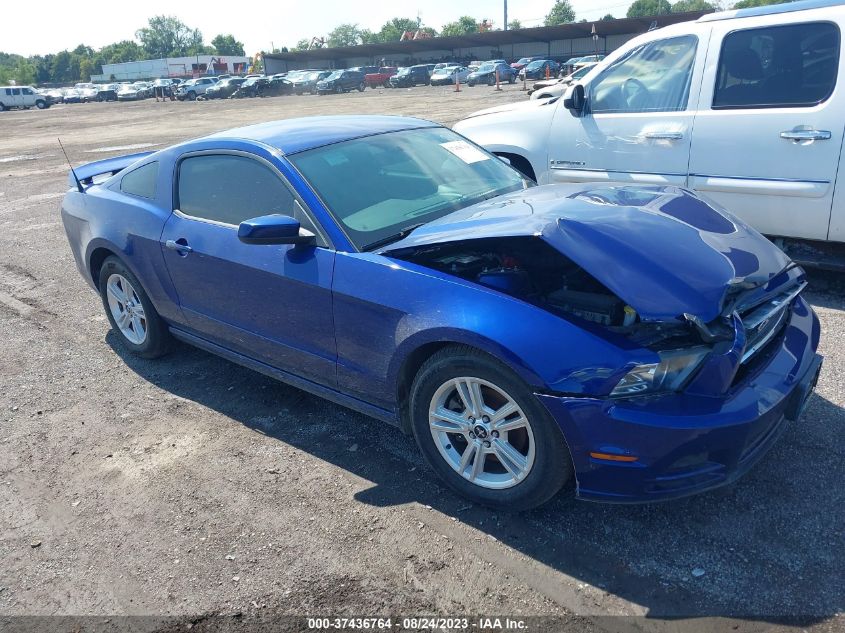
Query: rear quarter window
{"points": [[793, 65], [141, 182]]}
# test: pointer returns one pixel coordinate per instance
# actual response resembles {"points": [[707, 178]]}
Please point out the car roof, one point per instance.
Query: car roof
{"points": [[788, 7], [300, 134]]}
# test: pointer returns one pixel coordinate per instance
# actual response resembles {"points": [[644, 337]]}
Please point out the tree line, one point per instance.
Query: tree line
{"points": [[164, 36]]}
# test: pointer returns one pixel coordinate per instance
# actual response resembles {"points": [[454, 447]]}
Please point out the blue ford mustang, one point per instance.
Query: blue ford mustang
{"points": [[627, 343]]}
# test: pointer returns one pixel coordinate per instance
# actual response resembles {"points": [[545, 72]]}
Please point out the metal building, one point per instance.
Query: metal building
{"points": [[193, 66], [558, 42]]}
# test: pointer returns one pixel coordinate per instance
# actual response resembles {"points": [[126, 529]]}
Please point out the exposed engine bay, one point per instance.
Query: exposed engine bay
{"points": [[530, 269]]}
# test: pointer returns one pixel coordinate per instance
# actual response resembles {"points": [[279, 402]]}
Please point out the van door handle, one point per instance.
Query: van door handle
{"points": [[179, 247], [665, 136], [798, 135]]}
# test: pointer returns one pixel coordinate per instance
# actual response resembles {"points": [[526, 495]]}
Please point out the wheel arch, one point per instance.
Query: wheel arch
{"points": [[412, 355], [520, 163]]}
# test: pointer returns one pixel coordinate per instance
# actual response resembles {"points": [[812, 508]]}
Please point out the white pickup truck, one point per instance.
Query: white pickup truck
{"points": [[23, 97], [745, 106]]}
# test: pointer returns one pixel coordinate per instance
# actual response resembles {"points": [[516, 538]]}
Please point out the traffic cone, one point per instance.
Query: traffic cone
{"points": [[547, 71], [498, 87], [457, 82]]}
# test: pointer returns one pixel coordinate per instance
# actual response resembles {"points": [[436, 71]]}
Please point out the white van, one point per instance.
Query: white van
{"points": [[745, 106], [23, 97]]}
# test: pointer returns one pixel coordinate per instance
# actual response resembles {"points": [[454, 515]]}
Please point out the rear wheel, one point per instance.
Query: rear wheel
{"points": [[491, 80], [484, 432], [361, 86], [339, 90], [130, 312]]}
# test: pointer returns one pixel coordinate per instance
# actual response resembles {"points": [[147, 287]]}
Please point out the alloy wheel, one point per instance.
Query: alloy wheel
{"points": [[126, 308], [481, 432]]}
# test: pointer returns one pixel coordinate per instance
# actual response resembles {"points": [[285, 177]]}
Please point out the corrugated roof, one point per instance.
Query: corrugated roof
{"points": [[544, 34]]}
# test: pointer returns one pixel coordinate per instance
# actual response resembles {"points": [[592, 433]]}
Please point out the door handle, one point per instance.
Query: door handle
{"points": [[665, 136], [798, 135], [173, 245]]}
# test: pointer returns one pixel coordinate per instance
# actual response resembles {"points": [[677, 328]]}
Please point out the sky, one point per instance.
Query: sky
{"points": [[258, 24]]}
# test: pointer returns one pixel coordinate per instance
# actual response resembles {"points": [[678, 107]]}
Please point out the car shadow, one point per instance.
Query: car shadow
{"points": [[764, 549]]}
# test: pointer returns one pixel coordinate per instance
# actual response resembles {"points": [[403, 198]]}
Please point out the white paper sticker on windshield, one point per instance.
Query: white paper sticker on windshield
{"points": [[465, 151]]}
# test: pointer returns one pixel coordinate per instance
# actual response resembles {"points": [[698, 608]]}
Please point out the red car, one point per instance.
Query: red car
{"points": [[381, 78]]}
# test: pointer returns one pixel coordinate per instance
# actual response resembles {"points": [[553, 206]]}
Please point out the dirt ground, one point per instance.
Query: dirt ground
{"points": [[190, 487]]}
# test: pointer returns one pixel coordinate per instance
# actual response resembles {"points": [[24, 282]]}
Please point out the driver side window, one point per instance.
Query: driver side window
{"points": [[652, 77]]}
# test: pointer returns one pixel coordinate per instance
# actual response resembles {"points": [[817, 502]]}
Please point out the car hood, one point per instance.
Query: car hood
{"points": [[662, 250]]}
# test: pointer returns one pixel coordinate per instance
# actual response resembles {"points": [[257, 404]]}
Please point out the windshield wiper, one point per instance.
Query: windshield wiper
{"points": [[393, 238]]}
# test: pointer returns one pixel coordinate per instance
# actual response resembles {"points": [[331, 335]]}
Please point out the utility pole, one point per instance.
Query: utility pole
{"points": [[506, 15]]}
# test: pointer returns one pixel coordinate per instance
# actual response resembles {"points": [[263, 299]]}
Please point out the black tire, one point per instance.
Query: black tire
{"points": [[386, 84], [491, 80], [158, 340], [41, 104], [471, 84], [192, 96], [361, 87], [511, 79], [552, 466], [339, 90], [2, 107]]}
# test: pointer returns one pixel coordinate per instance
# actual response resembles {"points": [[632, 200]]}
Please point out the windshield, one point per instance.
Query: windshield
{"points": [[403, 71], [336, 74], [486, 68], [378, 186], [536, 64]]}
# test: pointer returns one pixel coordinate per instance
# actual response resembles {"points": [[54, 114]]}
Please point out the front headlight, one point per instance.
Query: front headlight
{"points": [[670, 374]]}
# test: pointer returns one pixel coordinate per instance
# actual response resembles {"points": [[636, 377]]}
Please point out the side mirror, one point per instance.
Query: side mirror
{"points": [[274, 229], [575, 100]]}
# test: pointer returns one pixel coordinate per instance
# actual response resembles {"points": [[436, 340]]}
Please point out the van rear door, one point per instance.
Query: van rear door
{"points": [[769, 127]]}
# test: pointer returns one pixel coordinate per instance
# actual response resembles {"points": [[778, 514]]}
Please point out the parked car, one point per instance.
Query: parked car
{"points": [[486, 74], [380, 78], [341, 81], [275, 87], [307, 82], [71, 95], [88, 93], [106, 92], [131, 92], [446, 75], [768, 120], [411, 76], [540, 69], [365, 70], [224, 89], [144, 88], [548, 88], [54, 95], [250, 88], [193, 88], [23, 97], [524, 61], [627, 343]]}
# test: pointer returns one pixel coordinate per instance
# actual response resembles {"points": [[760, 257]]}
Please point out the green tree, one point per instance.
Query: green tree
{"points": [[648, 8], [120, 52], [609, 16], [227, 45], [682, 6], [301, 45], [392, 30], [513, 25], [344, 35], [168, 36], [747, 4], [465, 24], [561, 13]]}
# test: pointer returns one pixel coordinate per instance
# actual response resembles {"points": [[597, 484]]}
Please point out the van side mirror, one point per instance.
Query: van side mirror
{"points": [[274, 229], [575, 100]]}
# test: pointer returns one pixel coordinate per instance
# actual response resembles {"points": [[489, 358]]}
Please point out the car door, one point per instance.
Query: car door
{"points": [[639, 117], [272, 303], [769, 131], [15, 98]]}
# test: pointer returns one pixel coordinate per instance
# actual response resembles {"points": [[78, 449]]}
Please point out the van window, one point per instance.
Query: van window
{"points": [[652, 77], [777, 66], [141, 181], [16, 91]]}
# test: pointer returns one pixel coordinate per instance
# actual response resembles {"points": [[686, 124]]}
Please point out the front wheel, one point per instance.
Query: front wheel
{"points": [[361, 87], [192, 96], [339, 90], [130, 312], [41, 104], [483, 431]]}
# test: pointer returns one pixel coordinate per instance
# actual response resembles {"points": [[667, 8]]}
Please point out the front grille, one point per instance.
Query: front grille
{"points": [[763, 322]]}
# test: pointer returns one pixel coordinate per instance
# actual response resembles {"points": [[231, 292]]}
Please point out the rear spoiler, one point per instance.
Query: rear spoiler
{"points": [[86, 173]]}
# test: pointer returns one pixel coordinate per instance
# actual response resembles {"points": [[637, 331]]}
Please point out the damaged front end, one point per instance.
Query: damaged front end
{"points": [[658, 270]]}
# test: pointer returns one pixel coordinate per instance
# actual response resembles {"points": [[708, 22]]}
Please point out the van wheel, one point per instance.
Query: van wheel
{"points": [[2, 107], [41, 104]]}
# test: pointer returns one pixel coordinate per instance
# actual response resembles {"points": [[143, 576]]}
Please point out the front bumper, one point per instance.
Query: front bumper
{"points": [[686, 444]]}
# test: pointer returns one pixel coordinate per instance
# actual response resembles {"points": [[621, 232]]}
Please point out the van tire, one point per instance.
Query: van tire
{"points": [[41, 104], [2, 107]]}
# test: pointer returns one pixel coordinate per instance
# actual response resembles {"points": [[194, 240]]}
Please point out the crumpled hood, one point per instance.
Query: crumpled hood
{"points": [[662, 250]]}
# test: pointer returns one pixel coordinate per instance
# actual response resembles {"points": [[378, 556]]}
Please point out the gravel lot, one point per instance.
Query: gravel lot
{"points": [[190, 486]]}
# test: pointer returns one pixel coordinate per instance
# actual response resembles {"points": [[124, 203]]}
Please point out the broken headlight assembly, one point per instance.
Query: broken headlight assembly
{"points": [[670, 374]]}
